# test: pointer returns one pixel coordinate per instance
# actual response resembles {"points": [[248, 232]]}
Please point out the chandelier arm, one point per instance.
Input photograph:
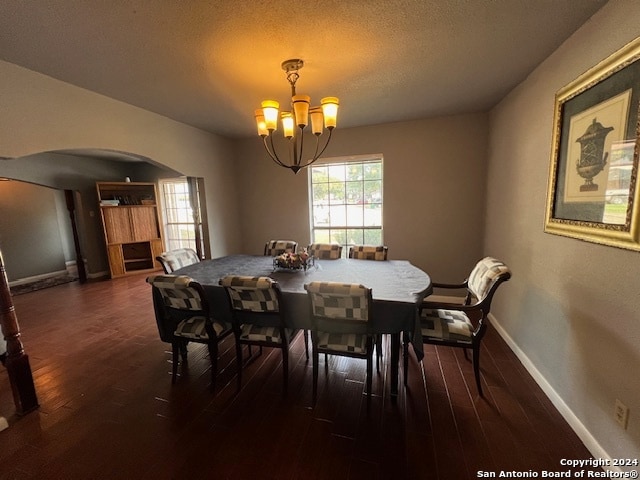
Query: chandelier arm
{"points": [[326, 144], [273, 154], [293, 151], [317, 155], [298, 159]]}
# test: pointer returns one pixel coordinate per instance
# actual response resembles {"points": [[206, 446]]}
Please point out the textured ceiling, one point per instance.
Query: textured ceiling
{"points": [[210, 63]]}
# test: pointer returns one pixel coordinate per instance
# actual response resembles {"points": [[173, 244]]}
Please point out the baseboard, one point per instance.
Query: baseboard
{"points": [[95, 275], [72, 268], [35, 278], [574, 422]]}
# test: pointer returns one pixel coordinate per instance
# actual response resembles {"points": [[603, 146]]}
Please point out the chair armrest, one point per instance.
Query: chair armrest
{"points": [[449, 306], [436, 298], [449, 285]]}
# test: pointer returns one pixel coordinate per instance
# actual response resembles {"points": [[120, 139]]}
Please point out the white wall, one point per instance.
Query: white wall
{"points": [[572, 308]]}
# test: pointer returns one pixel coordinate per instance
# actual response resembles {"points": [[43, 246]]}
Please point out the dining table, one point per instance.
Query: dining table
{"points": [[397, 288]]}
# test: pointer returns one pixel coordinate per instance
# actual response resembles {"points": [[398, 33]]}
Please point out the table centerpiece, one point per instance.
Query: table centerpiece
{"points": [[293, 261]]}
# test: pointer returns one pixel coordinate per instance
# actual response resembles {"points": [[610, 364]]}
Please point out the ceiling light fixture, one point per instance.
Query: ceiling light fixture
{"points": [[322, 117]]}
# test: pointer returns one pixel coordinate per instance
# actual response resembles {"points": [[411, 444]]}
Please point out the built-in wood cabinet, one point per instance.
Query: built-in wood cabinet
{"points": [[132, 229]]}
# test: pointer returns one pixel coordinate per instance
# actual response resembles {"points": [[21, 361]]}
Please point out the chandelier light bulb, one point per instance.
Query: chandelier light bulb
{"points": [[260, 123], [330, 111], [317, 120], [270, 112], [301, 109], [287, 124]]}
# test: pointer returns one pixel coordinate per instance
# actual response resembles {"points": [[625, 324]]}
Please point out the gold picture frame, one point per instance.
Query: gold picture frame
{"points": [[592, 193]]}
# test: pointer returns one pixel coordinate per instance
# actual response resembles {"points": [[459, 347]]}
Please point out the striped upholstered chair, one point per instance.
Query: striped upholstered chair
{"points": [[341, 316], [273, 248], [463, 324], [371, 252], [325, 251], [257, 318], [175, 259], [321, 251], [368, 252], [184, 304]]}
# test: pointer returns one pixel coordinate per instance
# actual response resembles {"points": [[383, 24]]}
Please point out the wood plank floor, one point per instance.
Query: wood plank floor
{"points": [[108, 409]]}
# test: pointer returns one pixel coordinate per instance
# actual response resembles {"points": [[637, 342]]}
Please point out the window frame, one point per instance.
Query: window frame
{"points": [[348, 227], [170, 242]]}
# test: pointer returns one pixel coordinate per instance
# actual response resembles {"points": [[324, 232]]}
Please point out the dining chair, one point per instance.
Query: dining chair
{"points": [[174, 259], [378, 253], [321, 251], [258, 319], [462, 324], [368, 252], [273, 248], [325, 251], [341, 325], [185, 305]]}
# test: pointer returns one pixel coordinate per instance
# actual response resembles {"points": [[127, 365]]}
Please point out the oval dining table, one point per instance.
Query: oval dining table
{"points": [[397, 287]]}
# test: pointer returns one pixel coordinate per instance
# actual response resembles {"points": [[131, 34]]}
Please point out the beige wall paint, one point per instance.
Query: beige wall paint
{"points": [[42, 114], [572, 307], [434, 190]]}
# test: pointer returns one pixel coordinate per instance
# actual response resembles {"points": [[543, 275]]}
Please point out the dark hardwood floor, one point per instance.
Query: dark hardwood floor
{"points": [[108, 409]]}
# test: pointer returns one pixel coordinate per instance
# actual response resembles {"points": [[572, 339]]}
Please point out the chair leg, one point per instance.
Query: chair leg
{"points": [[369, 375], [305, 333], [239, 362], [183, 350], [476, 367], [316, 361], [405, 357], [378, 338], [175, 347], [285, 367], [213, 356]]}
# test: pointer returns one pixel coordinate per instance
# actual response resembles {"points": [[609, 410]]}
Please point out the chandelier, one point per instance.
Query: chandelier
{"points": [[322, 117]]}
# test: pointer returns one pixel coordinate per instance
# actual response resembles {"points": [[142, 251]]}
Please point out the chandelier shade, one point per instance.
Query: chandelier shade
{"points": [[294, 122]]}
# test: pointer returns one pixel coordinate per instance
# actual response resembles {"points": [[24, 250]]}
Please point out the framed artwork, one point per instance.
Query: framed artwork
{"points": [[592, 193]]}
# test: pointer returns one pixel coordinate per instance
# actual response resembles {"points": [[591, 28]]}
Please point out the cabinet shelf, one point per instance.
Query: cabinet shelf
{"points": [[132, 229], [135, 260], [142, 205]]}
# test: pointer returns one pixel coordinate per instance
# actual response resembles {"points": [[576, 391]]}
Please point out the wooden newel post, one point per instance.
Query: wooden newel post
{"points": [[17, 362]]}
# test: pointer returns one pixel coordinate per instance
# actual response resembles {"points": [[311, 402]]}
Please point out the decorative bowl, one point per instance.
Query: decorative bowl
{"points": [[293, 261]]}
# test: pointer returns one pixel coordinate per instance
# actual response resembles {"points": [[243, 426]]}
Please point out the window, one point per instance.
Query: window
{"points": [[346, 203], [179, 231]]}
